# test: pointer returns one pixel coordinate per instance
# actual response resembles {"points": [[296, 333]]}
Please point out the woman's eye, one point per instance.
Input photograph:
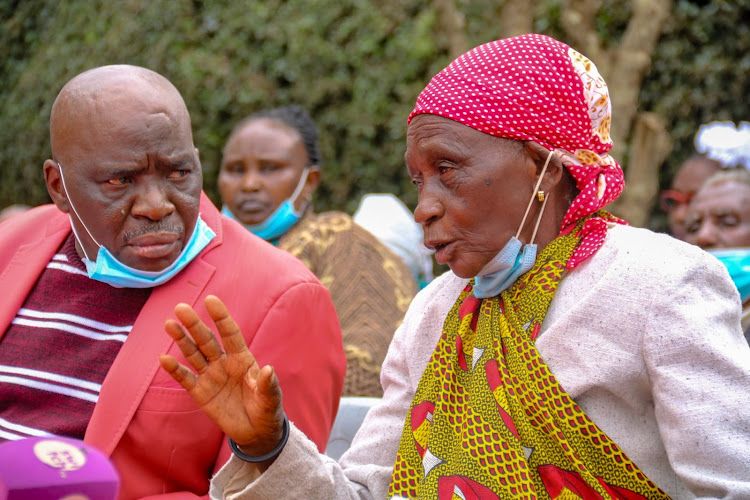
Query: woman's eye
{"points": [[234, 168], [268, 167], [446, 166]]}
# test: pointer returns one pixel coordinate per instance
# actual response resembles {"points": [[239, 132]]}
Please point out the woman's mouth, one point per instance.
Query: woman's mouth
{"points": [[442, 251], [252, 206]]}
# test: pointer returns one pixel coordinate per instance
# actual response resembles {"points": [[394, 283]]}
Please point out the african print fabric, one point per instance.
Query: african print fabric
{"points": [[489, 421], [535, 88]]}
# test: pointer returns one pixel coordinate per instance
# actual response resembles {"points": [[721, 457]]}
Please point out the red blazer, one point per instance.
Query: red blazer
{"points": [[157, 438]]}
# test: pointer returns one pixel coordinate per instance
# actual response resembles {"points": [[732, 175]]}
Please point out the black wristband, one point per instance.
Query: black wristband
{"points": [[268, 456]]}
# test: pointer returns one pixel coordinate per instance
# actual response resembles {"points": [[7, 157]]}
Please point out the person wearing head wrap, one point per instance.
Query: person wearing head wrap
{"points": [[565, 355]]}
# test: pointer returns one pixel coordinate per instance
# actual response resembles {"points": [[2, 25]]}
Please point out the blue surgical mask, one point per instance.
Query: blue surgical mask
{"points": [[514, 259], [737, 262], [503, 270], [280, 221], [108, 269]]}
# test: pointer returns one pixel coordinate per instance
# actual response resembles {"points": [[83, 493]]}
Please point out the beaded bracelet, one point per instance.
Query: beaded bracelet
{"points": [[272, 454]]}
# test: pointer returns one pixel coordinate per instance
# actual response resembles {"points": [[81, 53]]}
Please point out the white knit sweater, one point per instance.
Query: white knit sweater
{"points": [[645, 336]]}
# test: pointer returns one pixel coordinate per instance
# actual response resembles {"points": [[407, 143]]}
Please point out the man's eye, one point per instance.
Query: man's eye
{"points": [[178, 174], [120, 181], [692, 226], [728, 221]]}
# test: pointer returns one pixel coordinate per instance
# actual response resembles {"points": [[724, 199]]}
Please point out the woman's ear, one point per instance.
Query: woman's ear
{"points": [[311, 184], [553, 174], [55, 188]]}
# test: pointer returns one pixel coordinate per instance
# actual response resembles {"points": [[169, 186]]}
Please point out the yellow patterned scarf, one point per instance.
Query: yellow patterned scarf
{"points": [[489, 421]]}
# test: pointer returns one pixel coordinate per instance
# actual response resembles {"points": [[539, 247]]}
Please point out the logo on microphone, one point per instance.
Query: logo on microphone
{"points": [[60, 455]]}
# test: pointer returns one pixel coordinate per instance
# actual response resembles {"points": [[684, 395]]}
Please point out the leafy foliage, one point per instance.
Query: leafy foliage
{"points": [[356, 65]]}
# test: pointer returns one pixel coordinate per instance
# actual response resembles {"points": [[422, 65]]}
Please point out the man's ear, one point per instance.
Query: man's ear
{"points": [[55, 186]]}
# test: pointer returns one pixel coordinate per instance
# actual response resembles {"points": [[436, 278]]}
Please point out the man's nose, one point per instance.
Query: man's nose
{"points": [[706, 237], [429, 208], [152, 201]]}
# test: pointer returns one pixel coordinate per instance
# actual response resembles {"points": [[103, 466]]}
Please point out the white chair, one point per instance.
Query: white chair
{"points": [[352, 411]]}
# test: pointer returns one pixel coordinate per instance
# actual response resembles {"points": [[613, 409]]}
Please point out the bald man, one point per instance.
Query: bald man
{"points": [[89, 281]]}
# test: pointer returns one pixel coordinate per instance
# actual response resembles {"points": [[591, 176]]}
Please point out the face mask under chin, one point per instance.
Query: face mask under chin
{"points": [[515, 258], [108, 269], [281, 220]]}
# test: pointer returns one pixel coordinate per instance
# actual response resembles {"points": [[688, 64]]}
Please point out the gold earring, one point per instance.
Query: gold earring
{"points": [[540, 195]]}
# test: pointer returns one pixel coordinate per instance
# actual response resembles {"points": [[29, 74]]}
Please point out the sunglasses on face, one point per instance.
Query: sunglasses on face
{"points": [[670, 199]]}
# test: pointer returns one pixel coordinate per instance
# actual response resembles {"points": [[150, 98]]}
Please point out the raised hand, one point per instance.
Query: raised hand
{"points": [[228, 385]]}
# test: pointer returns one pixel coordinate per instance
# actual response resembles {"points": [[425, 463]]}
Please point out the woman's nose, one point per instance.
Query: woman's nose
{"points": [[251, 181], [429, 208]]}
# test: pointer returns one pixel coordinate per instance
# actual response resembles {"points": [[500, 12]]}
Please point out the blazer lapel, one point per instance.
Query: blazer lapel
{"points": [[138, 360], [25, 267]]}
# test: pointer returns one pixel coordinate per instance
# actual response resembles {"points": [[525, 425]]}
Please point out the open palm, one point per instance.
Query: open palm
{"points": [[228, 385]]}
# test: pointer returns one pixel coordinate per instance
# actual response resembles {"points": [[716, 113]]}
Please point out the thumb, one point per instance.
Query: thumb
{"points": [[267, 391]]}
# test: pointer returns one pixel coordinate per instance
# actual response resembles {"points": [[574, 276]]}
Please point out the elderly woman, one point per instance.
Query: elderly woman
{"points": [[565, 355], [269, 172]]}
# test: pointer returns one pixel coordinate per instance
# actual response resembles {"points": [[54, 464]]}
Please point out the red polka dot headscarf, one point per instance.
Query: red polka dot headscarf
{"points": [[535, 88]]}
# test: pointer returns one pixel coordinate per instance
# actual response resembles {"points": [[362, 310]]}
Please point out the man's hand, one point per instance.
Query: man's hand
{"points": [[229, 386]]}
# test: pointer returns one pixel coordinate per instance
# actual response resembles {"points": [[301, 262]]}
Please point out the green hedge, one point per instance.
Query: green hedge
{"points": [[356, 65]]}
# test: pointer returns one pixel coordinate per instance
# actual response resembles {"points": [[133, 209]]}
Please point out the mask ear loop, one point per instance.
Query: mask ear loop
{"points": [[300, 185], [75, 233], [539, 219], [298, 189], [528, 207]]}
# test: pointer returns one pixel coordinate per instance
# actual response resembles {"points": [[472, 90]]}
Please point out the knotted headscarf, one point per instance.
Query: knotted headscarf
{"points": [[535, 88]]}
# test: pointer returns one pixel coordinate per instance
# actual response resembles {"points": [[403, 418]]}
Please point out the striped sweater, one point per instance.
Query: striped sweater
{"points": [[59, 347]]}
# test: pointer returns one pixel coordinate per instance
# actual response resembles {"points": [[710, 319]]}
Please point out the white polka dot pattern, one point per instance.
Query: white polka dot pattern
{"points": [[533, 87]]}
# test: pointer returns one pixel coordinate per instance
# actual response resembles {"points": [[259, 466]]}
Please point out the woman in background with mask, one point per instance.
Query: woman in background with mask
{"points": [[718, 220], [269, 172]]}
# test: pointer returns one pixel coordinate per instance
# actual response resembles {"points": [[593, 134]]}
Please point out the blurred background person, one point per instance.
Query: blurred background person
{"points": [[718, 220], [688, 180], [393, 223], [718, 145], [269, 172]]}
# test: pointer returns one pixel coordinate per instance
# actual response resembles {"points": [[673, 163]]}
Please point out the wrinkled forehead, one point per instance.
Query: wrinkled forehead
{"points": [[724, 196]]}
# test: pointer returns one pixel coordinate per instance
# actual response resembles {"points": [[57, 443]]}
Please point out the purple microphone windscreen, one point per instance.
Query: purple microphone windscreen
{"points": [[55, 468]]}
